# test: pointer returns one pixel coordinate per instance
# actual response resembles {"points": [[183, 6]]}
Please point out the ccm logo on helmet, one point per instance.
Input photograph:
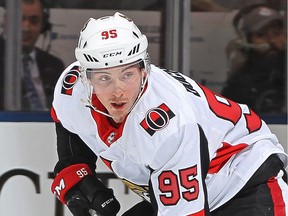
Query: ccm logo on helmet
{"points": [[157, 118], [112, 54]]}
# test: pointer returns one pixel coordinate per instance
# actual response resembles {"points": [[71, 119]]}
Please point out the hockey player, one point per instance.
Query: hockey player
{"points": [[183, 148]]}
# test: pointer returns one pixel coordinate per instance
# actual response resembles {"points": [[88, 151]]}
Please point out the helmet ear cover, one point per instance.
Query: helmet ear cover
{"points": [[141, 64]]}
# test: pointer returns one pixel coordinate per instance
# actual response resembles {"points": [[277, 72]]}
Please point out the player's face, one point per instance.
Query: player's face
{"points": [[117, 89], [272, 35], [32, 21]]}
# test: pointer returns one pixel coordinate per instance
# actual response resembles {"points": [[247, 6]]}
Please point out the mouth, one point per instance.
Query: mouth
{"points": [[26, 39], [118, 105], [26, 36]]}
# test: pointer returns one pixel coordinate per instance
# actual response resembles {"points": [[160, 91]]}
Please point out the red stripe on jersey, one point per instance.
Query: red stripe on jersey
{"points": [[276, 193], [223, 155], [200, 213], [164, 107], [254, 122], [144, 124], [54, 115], [107, 163]]}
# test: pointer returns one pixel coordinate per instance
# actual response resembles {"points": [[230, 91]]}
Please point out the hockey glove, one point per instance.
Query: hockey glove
{"points": [[80, 191], [77, 203], [143, 208]]}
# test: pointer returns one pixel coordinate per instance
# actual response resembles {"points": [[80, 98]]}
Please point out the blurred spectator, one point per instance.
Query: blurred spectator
{"points": [[237, 4], [40, 69], [206, 5], [110, 4], [220, 5], [196, 5], [260, 80]]}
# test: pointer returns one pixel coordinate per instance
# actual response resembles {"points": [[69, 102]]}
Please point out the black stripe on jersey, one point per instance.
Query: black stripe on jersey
{"points": [[151, 193], [152, 197], [204, 153]]}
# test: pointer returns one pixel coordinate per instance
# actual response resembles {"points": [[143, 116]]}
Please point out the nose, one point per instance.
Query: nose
{"points": [[272, 39], [25, 24], [118, 88], [118, 93], [274, 36]]}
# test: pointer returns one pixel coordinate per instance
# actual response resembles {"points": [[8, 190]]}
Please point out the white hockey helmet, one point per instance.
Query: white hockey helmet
{"points": [[108, 42], [111, 41]]}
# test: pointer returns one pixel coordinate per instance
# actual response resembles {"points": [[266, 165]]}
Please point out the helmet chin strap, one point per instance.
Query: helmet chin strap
{"points": [[88, 102]]}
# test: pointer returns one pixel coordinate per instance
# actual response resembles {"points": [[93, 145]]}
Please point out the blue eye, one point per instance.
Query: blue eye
{"points": [[127, 76], [104, 78]]}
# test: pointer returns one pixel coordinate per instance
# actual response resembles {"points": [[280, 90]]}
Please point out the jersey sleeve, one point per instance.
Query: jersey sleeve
{"points": [[69, 103], [72, 150], [178, 173], [66, 97]]}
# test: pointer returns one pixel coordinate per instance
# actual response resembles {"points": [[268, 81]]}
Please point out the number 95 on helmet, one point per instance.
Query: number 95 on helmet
{"points": [[111, 41]]}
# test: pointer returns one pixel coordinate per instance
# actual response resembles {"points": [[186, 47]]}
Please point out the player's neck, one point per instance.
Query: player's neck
{"points": [[113, 123]]}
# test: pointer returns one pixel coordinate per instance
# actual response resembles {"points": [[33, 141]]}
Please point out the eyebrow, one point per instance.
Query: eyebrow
{"points": [[107, 72], [130, 66]]}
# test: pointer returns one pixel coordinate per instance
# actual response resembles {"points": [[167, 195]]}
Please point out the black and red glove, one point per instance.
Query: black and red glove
{"points": [[82, 192], [143, 208]]}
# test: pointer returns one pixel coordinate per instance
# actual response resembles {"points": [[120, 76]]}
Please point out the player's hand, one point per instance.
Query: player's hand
{"points": [[105, 203], [77, 203], [143, 208], [82, 191], [100, 203]]}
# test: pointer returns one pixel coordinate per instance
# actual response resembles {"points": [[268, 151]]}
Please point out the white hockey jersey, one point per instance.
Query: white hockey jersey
{"points": [[181, 136]]}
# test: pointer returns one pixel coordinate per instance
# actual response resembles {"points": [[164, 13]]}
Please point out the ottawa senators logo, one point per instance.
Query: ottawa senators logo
{"points": [[157, 118], [70, 80]]}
